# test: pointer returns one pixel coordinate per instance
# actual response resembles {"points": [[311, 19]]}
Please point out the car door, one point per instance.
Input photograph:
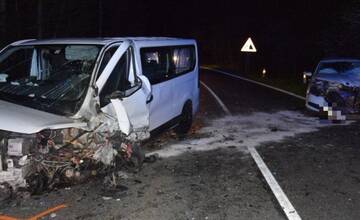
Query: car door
{"points": [[122, 93]]}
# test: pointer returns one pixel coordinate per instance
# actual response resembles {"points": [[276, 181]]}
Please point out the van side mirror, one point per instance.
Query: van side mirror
{"points": [[115, 95], [306, 77]]}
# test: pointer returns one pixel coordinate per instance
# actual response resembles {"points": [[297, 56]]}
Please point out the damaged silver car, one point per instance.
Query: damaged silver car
{"points": [[71, 108], [334, 88]]}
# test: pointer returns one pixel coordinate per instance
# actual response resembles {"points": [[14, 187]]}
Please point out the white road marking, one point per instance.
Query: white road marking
{"points": [[281, 197], [223, 106], [256, 82]]}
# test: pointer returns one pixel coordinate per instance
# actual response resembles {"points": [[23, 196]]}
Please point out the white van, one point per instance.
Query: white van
{"points": [[96, 97]]}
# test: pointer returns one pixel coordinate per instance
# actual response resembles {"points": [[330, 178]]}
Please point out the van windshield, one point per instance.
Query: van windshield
{"points": [[52, 78], [339, 67]]}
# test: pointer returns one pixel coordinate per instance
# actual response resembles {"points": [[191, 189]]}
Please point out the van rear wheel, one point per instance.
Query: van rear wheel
{"points": [[186, 119]]}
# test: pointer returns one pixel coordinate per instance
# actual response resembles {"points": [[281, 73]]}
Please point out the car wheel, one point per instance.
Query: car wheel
{"points": [[185, 120]]}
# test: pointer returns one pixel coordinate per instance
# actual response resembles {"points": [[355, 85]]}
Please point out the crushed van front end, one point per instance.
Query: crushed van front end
{"points": [[47, 159]]}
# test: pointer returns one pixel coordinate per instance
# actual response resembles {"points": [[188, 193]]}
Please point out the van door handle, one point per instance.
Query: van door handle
{"points": [[150, 99]]}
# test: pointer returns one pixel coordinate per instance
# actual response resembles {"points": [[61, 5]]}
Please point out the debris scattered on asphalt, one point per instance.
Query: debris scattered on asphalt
{"points": [[122, 174], [137, 181], [51, 212], [152, 158], [248, 130]]}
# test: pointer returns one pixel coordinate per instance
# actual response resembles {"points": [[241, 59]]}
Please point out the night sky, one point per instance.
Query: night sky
{"points": [[291, 36]]}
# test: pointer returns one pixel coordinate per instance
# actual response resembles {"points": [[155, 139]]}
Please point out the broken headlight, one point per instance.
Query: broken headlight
{"points": [[318, 88]]}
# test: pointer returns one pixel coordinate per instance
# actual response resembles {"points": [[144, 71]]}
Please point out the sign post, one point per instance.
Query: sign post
{"points": [[248, 48]]}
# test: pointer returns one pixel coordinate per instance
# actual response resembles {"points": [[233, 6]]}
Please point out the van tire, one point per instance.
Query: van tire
{"points": [[186, 119]]}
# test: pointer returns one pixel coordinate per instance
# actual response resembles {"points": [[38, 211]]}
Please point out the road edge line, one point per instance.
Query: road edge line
{"points": [[276, 189], [255, 82], [281, 197], [223, 106]]}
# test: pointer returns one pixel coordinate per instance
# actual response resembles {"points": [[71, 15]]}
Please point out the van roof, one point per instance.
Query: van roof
{"points": [[98, 41], [339, 59]]}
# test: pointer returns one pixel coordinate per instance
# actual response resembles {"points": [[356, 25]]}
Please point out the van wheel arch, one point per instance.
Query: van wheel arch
{"points": [[186, 119]]}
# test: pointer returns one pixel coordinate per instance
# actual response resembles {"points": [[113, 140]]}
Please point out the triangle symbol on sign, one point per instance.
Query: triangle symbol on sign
{"points": [[249, 46]]}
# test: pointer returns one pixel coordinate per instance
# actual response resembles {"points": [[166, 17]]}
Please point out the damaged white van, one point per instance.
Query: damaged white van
{"points": [[69, 105]]}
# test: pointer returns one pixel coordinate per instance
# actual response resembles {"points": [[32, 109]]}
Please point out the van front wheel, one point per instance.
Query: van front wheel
{"points": [[185, 120]]}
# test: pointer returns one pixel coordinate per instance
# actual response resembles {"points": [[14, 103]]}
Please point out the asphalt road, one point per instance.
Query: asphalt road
{"points": [[243, 97], [318, 171]]}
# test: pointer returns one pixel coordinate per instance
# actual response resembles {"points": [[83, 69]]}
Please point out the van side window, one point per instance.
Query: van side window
{"points": [[182, 59], [155, 63], [118, 79], [163, 63]]}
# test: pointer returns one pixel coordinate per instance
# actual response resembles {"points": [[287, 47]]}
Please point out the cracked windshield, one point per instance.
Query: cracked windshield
{"points": [[52, 78]]}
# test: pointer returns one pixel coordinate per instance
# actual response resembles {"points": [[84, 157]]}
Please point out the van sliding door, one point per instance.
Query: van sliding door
{"points": [[155, 63]]}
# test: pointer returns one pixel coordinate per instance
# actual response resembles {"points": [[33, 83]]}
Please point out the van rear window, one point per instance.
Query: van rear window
{"points": [[163, 63]]}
